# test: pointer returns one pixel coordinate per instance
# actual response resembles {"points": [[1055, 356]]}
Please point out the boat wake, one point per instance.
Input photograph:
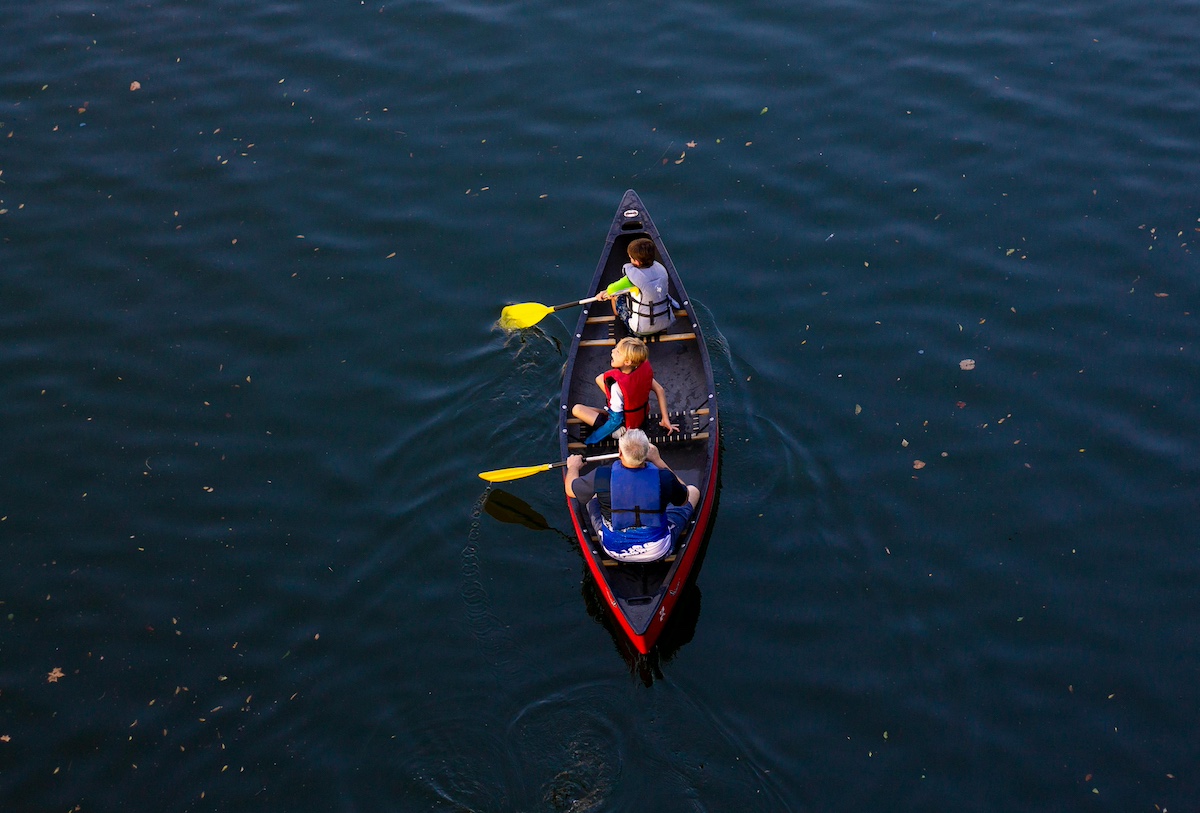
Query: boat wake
{"points": [[487, 630]]}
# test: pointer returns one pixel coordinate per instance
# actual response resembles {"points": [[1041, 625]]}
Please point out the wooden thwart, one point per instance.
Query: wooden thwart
{"points": [[676, 438], [600, 320], [662, 337], [604, 560], [654, 418]]}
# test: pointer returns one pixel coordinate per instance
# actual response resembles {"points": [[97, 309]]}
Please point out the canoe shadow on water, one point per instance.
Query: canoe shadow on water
{"points": [[508, 508], [682, 627]]}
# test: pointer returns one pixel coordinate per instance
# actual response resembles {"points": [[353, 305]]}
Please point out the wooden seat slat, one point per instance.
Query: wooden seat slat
{"points": [[661, 337], [604, 560], [657, 441]]}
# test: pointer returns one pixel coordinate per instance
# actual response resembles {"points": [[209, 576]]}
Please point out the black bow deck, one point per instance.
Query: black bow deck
{"points": [[641, 596]]}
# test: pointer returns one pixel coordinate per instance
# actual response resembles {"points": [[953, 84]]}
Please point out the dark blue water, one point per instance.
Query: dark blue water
{"points": [[249, 371]]}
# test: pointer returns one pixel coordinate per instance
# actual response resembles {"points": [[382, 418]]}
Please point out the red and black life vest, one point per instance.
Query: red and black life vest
{"points": [[635, 387]]}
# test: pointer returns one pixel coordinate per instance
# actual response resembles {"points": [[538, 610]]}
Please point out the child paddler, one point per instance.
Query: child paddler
{"points": [[627, 387], [648, 309]]}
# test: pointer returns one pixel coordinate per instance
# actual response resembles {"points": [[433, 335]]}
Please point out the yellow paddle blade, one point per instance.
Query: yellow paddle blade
{"points": [[523, 315], [515, 473]]}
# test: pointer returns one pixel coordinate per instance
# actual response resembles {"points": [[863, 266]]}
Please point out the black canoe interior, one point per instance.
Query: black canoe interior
{"points": [[681, 366]]}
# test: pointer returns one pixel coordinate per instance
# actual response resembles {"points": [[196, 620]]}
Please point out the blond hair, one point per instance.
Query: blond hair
{"points": [[633, 350]]}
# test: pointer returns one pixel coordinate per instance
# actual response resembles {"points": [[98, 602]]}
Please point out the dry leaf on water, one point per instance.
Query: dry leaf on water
{"points": [[918, 464], [54, 675], [966, 364]]}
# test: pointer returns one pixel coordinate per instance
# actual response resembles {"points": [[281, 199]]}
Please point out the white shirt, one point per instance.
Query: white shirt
{"points": [[616, 400]]}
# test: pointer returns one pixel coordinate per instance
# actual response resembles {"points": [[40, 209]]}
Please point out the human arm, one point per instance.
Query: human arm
{"points": [[574, 465], [664, 421], [676, 492], [617, 287]]}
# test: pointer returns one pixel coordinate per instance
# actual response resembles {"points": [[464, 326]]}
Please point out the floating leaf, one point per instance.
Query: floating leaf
{"points": [[54, 675], [966, 364], [918, 464], [857, 409], [135, 85]]}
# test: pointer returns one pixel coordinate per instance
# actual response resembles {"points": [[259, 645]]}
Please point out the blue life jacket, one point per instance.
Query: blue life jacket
{"points": [[638, 513]]}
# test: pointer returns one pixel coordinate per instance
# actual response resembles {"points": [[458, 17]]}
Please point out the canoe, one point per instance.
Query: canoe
{"points": [[641, 596]]}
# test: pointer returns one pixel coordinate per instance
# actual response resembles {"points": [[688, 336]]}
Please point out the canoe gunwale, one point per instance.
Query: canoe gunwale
{"points": [[643, 628]]}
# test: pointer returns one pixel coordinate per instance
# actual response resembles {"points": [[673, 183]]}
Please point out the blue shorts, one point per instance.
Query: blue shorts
{"points": [[677, 519], [599, 433]]}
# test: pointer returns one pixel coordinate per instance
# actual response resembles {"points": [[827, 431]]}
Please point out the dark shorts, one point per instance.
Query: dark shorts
{"points": [[622, 305], [624, 308]]}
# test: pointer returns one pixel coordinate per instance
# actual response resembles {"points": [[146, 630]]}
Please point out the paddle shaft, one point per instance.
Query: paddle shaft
{"points": [[562, 463], [575, 304], [591, 299], [518, 472]]}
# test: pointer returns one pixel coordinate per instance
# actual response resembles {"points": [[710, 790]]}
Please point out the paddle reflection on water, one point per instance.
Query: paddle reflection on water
{"points": [[509, 508]]}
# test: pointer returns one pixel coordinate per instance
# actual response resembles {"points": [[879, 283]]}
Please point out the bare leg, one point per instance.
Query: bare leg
{"points": [[585, 413], [693, 496]]}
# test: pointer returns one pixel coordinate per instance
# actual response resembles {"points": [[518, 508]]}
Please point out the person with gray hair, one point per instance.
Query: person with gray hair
{"points": [[637, 505]]}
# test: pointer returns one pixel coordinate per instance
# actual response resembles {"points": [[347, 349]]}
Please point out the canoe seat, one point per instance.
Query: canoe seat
{"points": [[693, 426], [604, 560], [600, 320], [682, 415], [608, 444], [616, 330], [656, 338]]}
